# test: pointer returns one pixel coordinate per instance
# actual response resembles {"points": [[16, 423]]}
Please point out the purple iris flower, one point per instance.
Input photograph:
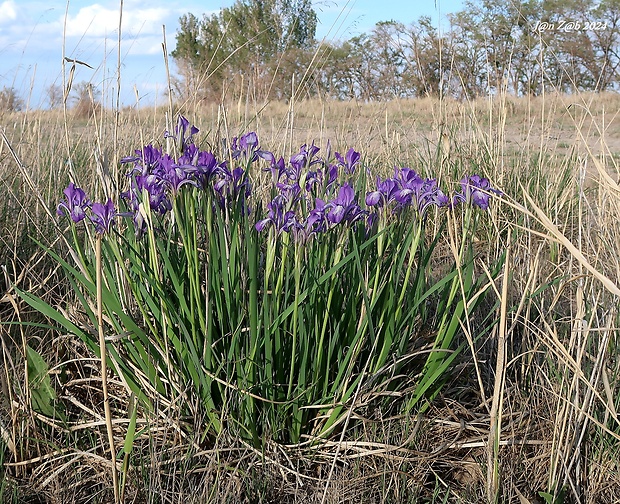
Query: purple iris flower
{"points": [[154, 187], [423, 193], [341, 204], [385, 193], [332, 174], [277, 169], [205, 168], [317, 219], [407, 188], [344, 206], [247, 145], [303, 159], [267, 156], [232, 185], [282, 220], [475, 190], [176, 177], [371, 221], [75, 203], [145, 161], [410, 183], [439, 198], [189, 156], [313, 179], [197, 171], [103, 216], [290, 192], [180, 132], [249, 142], [350, 161]]}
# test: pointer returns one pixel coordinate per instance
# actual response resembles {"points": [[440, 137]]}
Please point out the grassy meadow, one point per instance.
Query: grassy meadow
{"points": [[498, 380]]}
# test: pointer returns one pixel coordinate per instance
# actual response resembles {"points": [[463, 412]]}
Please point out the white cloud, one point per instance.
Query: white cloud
{"points": [[31, 37], [150, 45], [97, 21], [8, 12]]}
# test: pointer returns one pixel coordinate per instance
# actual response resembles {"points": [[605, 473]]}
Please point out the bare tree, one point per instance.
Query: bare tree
{"points": [[10, 101], [54, 96], [86, 99]]}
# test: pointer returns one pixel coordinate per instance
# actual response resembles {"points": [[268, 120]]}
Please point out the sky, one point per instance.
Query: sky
{"points": [[33, 34]]}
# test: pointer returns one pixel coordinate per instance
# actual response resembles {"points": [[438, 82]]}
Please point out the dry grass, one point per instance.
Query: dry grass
{"points": [[550, 399]]}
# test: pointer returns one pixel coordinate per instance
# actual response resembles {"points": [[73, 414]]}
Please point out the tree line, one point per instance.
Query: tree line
{"points": [[268, 49]]}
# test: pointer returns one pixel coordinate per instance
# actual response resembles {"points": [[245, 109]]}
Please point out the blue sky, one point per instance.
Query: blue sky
{"points": [[31, 38]]}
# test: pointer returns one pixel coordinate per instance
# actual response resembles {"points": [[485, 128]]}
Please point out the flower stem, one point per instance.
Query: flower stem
{"points": [[104, 370]]}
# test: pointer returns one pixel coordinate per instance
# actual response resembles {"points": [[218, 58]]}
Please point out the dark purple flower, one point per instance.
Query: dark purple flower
{"points": [[155, 190], [189, 156], [145, 161], [332, 174], [475, 190], [277, 169], [303, 159], [350, 161], [385, 193], [371, 221], [103, 216], [428, 193], [410, 184], [206, 161], [344, 206], [419, 192], [281, 219], [267, 156], [75, 203], [249, 142], [290, 192], [317, 219], [180, 132], [196, 171], [249, 147], [232, 185], [176, 177], [206, 167], [406, 189], [313, 179], [440, 199], [246, 145]]}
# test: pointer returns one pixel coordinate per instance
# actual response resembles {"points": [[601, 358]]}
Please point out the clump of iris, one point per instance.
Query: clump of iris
{"points": [[309, 194], [307, 198]]}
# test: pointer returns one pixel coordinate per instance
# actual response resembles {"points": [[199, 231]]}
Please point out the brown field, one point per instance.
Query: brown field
{"points": [[553, 395]]}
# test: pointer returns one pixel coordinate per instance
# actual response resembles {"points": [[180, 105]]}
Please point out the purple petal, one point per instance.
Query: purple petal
{"points": [[261, 224], [373, 198], [336, 214]]}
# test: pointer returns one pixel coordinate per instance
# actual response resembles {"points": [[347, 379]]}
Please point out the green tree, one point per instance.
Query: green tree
{"points": [[570, 58], [298, 20], [387, 38], [335, 74], [240, 44], [267, 47], [468, 66], [429, 59]]}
